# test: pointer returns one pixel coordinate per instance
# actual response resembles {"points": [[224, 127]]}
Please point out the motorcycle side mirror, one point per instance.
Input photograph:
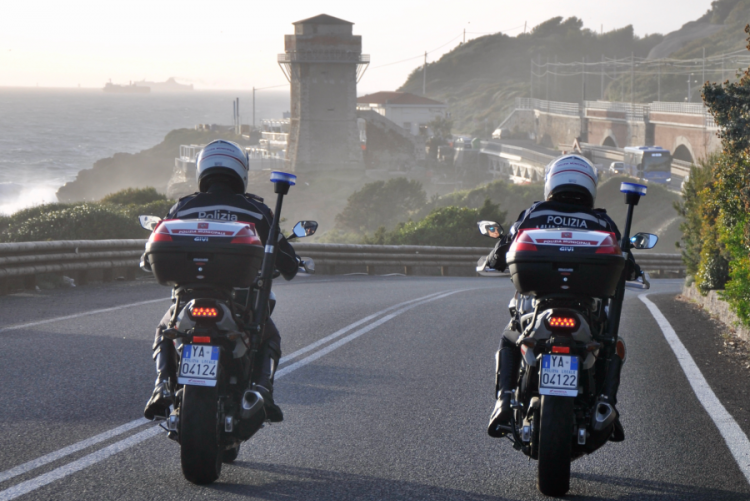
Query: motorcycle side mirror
{"points": [[644, 240], [149, 222], [490, 229], [304, 229]]}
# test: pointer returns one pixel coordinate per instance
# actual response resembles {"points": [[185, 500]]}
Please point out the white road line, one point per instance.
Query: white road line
{"points": [[349, 327], [351, 337], [66, 451], [735, 438], [77, 465], [102, 454], [82, 314]]}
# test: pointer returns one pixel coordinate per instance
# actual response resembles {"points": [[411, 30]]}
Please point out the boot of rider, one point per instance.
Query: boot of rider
{"points": [[265, 367], [162, 397], [502, 414], [612, 384]]}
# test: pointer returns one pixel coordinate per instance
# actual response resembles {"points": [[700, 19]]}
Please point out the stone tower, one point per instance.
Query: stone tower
{"points": [[323, 61]]}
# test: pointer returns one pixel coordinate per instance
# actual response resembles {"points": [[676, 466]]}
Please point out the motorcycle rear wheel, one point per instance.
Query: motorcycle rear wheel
{"points": [[200, 451], [555, 443]]}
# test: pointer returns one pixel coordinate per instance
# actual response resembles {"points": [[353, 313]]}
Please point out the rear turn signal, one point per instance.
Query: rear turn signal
{"points": [[562, 322]]}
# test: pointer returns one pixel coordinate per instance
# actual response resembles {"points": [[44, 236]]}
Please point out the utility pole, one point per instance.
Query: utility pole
{"points": [[464, 35], [253, 108], [524, 27], [601, 91], [531, 86], [632, 79], [703, 77], [555, 92], [583, 82], [546, 68], [722, 68], [424, 75], [658, 84]]}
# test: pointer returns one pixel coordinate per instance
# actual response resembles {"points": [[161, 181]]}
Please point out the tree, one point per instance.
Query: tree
{"points": [[381, 203]]}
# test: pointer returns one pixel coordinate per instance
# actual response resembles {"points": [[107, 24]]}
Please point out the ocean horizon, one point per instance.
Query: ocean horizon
{"points": [[48, 135]]}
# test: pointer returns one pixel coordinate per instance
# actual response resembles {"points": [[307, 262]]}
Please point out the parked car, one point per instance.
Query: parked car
{"points": [[617, 168]]}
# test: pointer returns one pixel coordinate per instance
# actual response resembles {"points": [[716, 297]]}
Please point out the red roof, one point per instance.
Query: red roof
{"points": [[401, 98]]}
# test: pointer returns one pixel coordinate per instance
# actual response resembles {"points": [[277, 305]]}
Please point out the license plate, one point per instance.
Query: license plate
{"points": [[199, 365], [559, 375]]}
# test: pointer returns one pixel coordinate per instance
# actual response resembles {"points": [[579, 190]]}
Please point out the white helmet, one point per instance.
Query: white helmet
{"points": [[572, 179], [223, 158]]}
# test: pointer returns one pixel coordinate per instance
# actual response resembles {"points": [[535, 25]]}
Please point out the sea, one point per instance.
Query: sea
{"points": [[47, 136]]}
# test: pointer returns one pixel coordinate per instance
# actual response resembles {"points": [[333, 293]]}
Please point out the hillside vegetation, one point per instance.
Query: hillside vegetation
{"points": [[480, 79], [115, 216]]}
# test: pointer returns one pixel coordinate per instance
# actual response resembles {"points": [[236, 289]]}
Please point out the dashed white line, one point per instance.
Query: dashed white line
{"points": [[735, 438], [77, 465], [102, 454], [66, 451], [81, 314]]}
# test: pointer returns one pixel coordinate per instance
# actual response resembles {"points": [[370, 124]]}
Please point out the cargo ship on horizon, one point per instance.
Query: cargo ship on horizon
{"points": [[131, 88]]}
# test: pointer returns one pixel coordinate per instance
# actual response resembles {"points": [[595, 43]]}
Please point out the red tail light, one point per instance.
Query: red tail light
{"points": [[558, 322], [609, 245], [523, 243], [561, 349], [201, 339], [161, 234], [204, 312], [246, 236]]}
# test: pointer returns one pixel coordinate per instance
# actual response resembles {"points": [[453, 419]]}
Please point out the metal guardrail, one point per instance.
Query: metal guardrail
{"points": [[27, 260], [557, 107], [23, 262]]}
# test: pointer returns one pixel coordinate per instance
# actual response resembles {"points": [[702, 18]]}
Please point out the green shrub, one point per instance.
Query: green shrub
{"points": [[82, 222], [446, 226], [134, 196], [381, 203]]}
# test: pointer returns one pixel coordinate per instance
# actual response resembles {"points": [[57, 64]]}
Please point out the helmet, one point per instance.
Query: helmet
{"points": [[571, 179], [223, 158]]}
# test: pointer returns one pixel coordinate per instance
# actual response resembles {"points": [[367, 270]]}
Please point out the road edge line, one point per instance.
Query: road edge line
{"points": [[736, 440]]}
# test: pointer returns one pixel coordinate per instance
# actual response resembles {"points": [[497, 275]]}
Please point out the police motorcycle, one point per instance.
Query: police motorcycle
{"points": [[221, 276], [570, 287]]}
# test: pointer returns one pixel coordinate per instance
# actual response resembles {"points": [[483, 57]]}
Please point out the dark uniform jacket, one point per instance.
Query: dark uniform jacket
{"points": [[222, 204], [552, 215]]}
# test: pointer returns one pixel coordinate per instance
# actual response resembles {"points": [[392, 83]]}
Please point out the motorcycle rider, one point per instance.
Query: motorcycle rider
{"points": [[221, 172], [569, 192]]}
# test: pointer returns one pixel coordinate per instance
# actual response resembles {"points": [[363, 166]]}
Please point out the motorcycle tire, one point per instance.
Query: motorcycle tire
{"points": [[200, 451], [555, 443], [231, 454]]}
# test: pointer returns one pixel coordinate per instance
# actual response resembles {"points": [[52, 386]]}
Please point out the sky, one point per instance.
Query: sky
{"points": [[233, 44]]}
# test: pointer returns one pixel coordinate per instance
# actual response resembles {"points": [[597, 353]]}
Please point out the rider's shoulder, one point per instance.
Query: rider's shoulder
{"points": [[188, 197], [252, 196], [600, 211]]}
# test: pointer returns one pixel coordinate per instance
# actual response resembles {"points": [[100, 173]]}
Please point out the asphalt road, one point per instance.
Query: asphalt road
{"points": [[394, 407]]}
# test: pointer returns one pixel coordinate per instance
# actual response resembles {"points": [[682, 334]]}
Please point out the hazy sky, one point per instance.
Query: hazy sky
{"points": [[232, 44]]}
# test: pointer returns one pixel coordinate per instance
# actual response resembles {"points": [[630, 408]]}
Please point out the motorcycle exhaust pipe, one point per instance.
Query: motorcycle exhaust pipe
{"points": [[604, 415], [252, 402]]}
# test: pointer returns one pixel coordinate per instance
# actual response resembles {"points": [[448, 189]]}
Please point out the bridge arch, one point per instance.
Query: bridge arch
{"points": [[609, 139], [683, 150]]}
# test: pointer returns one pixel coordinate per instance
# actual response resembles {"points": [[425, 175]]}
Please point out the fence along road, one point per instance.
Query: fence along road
{"points": [[22, 263]]}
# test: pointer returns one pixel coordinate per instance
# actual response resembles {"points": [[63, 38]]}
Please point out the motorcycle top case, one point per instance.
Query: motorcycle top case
{"points": [[565, 261], [204, 251]]}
